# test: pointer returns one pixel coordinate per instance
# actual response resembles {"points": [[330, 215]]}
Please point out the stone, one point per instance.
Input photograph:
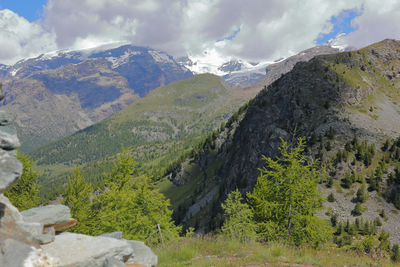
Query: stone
{"points": [[116, 235], [8, 138], [112, 262], [44, 238], [82, 250], [144, 256], [61, 226], [15, 242], [4, 118], [32, 228], [10, 170], [14, 252], [48, 215], [50, 231]]}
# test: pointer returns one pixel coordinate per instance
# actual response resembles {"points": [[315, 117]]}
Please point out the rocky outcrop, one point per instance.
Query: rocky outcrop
{"points": [[31, 238]]}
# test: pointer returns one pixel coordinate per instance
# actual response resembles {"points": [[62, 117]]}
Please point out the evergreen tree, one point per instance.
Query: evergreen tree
{"points": [[362, 194], [239, 222], [77, 198], [24, 193], [357, 211], [131, 204], [286, 197]]}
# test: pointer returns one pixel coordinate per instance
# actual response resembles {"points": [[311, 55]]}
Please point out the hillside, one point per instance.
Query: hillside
{"points": [[329, 100], [158, 127], [73, 90]]}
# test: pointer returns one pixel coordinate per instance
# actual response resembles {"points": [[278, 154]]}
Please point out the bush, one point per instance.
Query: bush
{"points": [[357, 211]]}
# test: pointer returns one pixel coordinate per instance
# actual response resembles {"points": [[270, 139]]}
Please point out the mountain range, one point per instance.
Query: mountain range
{"points": [[56, 94]]}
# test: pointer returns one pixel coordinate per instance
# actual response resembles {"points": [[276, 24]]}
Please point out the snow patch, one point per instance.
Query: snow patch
{"points": [[160, 57], [118, 61]]}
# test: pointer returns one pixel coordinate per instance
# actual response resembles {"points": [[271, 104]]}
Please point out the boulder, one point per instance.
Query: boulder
{"points": [[113, 262], [61, 226], [82, 250], [48, 215], [15, 242], [14, 252], [116, 235], [8, 138], [10, 169], [44, 238], [4, 118], [32, 228], [144, 256]]}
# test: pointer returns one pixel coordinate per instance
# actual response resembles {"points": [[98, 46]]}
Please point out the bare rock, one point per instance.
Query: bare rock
{"points": [[10, 169], [82, 250], [48, 215]]}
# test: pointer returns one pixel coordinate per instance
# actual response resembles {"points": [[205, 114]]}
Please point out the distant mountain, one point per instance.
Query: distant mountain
{"points": [[56, 94], [158, 127], [244, 74], [345, 104]]}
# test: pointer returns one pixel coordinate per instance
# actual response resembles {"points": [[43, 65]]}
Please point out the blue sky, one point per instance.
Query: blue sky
{"points": [[29, 9], [264, 30], [341, 24]]}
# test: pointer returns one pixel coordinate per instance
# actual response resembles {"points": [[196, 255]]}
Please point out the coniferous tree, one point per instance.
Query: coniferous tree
{"points": [[239, 222], [286, 198], [77, 198], [362, 194], [132, 205]]}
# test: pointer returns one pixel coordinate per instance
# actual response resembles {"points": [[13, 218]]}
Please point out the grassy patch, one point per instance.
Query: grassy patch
{"points": [[213, 251]]}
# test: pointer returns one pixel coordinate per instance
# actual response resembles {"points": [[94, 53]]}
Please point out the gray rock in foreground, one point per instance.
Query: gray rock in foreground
{"points": [[10, 169], [47, 215], [82, 250], [116, 235], [8, 138], [144, 256]]}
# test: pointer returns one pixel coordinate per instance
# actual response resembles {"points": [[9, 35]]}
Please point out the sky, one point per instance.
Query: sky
{"points": [[253, 30]]}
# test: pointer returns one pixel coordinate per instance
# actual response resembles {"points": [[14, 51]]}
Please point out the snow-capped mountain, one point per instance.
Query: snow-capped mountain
{"points": [[58, 93]]}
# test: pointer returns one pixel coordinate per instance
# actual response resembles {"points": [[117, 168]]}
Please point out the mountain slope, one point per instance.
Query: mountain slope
{"points": [[340, 95], [158, 127], [73, 90]]}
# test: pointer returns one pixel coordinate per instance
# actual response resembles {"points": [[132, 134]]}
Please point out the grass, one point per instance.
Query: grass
{"points": [[217, 251]]}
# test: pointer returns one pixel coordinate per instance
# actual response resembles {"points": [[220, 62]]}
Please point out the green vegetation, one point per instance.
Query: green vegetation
{"points": [[160, 128], [239, 222], [129, 203], [286, 198], [219, 251], [24, 193]]}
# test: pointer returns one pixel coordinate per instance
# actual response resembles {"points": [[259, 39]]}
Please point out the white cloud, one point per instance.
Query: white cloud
{"points": [[380, 20], [269, 29], [20, 39]]}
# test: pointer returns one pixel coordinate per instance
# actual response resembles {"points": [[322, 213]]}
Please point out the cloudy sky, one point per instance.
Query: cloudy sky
{"points": [[252, 30]]}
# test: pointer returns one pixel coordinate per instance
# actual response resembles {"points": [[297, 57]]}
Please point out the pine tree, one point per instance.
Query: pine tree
{"points": [[286, 197], [362, 194], [357, 211], [24, 193], [77, 198], [239, 224], [132, 205]]}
